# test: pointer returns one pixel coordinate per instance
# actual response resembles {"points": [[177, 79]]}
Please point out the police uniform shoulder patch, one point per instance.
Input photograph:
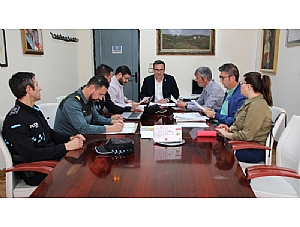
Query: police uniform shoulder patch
{"points": [[15, 110]]}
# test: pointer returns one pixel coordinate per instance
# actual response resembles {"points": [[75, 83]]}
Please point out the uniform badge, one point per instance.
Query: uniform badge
{"points": [[14, 110]]}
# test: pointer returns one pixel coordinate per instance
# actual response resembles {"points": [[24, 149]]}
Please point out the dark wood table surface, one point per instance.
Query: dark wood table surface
{"points": [[200, 168]]}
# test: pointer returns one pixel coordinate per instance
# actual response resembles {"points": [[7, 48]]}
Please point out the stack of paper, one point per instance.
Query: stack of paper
{"points": [[193, 124], [189, 116], [147, 132]]}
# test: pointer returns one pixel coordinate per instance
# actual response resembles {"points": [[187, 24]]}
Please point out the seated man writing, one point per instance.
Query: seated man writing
{"points": [[27, 133], [77, 113]]}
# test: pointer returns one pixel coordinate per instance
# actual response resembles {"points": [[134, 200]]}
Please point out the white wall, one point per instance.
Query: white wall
{"points": [[66, 66], [57, 71], [286, 81], [234, 46]]}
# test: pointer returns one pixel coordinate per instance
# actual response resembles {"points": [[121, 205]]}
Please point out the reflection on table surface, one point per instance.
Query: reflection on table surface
{"points": [[202, 167]]}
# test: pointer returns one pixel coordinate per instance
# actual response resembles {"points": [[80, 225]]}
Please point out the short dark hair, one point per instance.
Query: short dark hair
{"points": [[98, 82], [158, 62], [231, 70], [19, 81], [103, 70], [123, 69]]}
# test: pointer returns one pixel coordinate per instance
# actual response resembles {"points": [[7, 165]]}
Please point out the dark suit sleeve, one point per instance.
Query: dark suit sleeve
{"points": [[175, 90], [145, 90], [112, 108]]}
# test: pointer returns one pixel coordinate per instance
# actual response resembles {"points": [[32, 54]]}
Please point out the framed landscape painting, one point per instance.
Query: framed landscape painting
{"points": [[185, 42]]}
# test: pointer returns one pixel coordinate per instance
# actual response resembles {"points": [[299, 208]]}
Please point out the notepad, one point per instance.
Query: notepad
{"points": [[129, 127]]}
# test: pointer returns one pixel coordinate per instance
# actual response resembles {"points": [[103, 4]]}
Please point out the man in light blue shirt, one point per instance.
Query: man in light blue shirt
{"points": [[212, 94]]}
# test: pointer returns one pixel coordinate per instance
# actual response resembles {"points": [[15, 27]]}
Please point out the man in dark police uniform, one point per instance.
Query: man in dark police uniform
{"points": [[26, 132]]}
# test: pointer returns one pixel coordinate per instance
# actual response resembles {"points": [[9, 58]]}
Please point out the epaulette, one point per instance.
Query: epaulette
{"points": [[15, 110]]}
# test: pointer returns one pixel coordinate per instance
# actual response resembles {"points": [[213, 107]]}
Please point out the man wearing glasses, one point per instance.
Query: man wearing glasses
{"points": [[115, 89], [233, 99], [107, 72], [212, 94], [159, 85]]}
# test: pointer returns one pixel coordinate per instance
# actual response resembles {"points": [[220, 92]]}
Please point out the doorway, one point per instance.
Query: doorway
{"points": [[115, 47]]}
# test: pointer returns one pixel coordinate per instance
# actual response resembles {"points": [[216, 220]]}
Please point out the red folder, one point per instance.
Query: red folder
{"points": [[206, 139], [206, 133]]}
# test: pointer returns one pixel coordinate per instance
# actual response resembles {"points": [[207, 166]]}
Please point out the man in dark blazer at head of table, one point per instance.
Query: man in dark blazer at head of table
{"points": [[159, 85]]}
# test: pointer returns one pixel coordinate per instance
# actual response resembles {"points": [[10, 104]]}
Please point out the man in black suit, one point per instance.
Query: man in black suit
{"points": [[159, 85]]}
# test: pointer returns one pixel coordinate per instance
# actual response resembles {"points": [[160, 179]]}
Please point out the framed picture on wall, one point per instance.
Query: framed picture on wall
{"points": [[3, 53], [292, 37], [269, 50], [185, 42], [32, 40]]}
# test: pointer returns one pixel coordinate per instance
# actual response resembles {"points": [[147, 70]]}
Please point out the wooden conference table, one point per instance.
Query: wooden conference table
{"points": [[199, 168]]}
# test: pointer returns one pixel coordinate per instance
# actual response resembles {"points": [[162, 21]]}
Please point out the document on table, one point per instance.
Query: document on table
{"points": [[197, 104], [178, 108], [167, 133], [147, 132], [173, 99], [190, 116], [192, 125], [141, 107], [129, 127], [167, 104]]}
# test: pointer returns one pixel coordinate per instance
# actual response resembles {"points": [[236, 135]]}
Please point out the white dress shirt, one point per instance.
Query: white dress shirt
{"points": [[158, 90], [116, 93]]}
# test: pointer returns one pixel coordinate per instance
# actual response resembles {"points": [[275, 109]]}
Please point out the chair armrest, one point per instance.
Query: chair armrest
{"points": [[268, 167], [41, 169], [264, 171], [40, 166], [235, 141], [50, 163], [240, 144]]}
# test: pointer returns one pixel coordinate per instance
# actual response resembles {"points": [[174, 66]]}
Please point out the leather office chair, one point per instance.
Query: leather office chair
{"points": [[282, 180], [278, 116], [49, 111], [14, 186]]}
